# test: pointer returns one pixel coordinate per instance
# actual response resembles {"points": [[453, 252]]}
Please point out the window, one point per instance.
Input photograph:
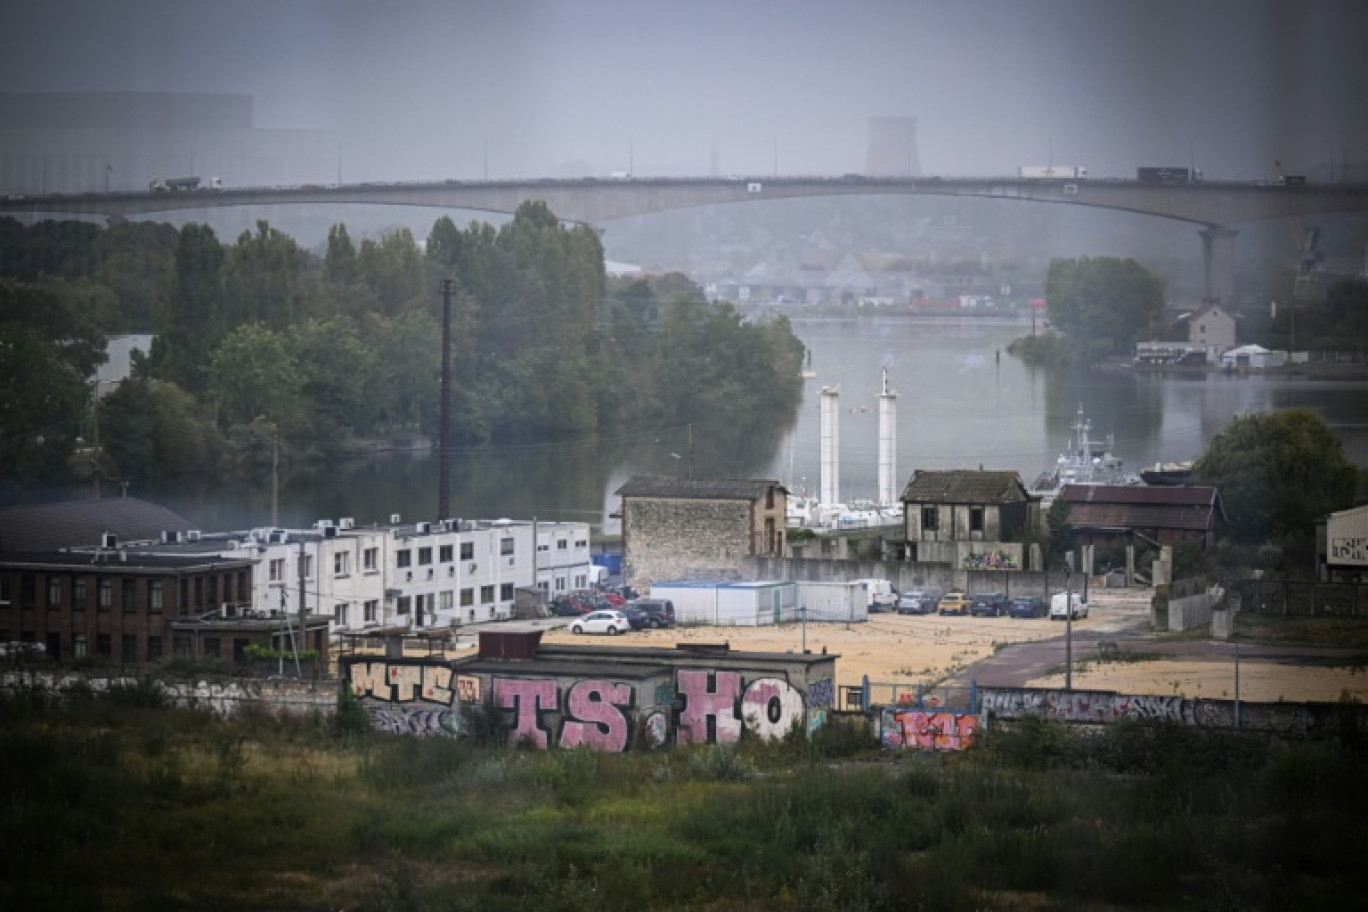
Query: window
{"points": [[505, 546], [560, 584], [304, 565], [930, 519], [211, 647], [54, 591], [181, 645], [769, 498], [372, 610], [486, 594], [28, 590], [541, 548], [505, 592], [128, 592], [976, 519], [370, 560], [78, 645], [403, 605], [467, 551], [78, 593], [447, 601], [129, 648], [103, 645], [154, 595], [154, 648], [581, 543], [106, 590], [424, 556], [278, 570], [444, 554], [562, 545], [342, 563], [403, 558], [212, 583], [467, 597], [581, 581], [340, 614]]}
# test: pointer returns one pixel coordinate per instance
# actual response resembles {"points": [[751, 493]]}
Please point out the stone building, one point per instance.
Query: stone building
{"points": [[673, 528], [969, 519]]}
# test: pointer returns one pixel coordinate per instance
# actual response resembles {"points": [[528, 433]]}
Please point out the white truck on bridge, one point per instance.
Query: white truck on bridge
{"points": [[1067, 172]]}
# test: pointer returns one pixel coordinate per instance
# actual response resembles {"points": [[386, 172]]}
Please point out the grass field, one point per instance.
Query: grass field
{"points": [[117, 802]]}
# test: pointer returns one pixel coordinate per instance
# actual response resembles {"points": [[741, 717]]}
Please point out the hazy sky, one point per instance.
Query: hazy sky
{"points": [[421, 89]]}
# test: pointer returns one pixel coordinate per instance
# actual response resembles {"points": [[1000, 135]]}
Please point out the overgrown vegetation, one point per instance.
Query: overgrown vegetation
{"points": [[109, 802], [264, 349]]}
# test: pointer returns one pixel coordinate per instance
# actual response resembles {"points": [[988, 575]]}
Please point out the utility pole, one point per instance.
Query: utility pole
{"points": [[688, 463], [444, 429], [275, 475], [303, 614], [1068, 626]]}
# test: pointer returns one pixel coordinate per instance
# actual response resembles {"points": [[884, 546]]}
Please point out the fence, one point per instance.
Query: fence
{"points": [[910, 696], [1301, 599]]}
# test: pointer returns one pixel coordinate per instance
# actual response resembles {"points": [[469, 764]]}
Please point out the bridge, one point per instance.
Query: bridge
{"points": [[1217, 208]]}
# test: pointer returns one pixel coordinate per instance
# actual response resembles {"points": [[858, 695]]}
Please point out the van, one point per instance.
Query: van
{"points": [[879, 594], [659, 612], [1060, 603]]}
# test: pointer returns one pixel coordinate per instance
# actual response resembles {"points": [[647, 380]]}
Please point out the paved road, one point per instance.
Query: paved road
{"points": [[1015, 665]]}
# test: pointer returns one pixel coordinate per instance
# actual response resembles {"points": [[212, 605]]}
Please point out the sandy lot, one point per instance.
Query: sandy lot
{"points": [[911, 650]]}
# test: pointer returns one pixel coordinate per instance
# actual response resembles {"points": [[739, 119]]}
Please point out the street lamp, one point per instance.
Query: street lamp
{"points": [[1068, 626]]}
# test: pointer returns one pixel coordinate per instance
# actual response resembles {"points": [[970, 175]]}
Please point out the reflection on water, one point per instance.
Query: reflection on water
{"points": [[963, 402]]}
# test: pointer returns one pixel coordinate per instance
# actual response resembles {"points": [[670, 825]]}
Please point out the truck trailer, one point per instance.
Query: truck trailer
{"points": [[1163, 175]]}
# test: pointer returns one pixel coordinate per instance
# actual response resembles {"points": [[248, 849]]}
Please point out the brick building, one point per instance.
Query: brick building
{"points": [[674, 528]]}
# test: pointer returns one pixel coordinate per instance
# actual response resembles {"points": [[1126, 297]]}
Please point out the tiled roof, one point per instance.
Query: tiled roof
{"points": [[82, 523], [1189, 509], [698, 488], [964, 486]]}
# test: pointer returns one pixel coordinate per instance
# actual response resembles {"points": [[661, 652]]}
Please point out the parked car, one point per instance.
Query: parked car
{"points": [[564, 607], [660, 611], [636, 617], [989, 604], [609, 622], [918, 601], [1029, 607], [953, 603], [1060, 603]]}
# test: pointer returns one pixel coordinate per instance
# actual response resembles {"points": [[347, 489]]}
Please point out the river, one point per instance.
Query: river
{"points": [[963, 402]]}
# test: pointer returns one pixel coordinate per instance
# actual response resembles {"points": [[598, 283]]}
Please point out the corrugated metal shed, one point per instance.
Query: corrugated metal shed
{"points": [[1189, 509]]}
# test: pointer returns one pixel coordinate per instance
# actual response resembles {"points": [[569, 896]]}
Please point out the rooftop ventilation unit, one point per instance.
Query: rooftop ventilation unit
{"points": [[394, 519], [346, 522], [330, 531], [109, 540], [192, 535], [423, 528]]}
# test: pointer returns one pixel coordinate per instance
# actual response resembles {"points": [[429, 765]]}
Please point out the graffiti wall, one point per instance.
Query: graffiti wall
{"points": [[1093, 707], [691, 706], [916, 729]]}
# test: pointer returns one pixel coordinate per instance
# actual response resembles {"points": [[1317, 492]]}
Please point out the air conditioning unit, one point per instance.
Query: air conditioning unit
{"points": [[394, 519], [346, 522], [511, 561], [422, 528], [229, 610], [330, 531], [192, 535], [473, 568], [451, 571], [430, 572], [109, 540], [408, 576]]}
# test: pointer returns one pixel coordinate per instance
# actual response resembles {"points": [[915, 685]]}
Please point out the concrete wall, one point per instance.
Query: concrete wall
{"points": [[1093, 707], [1193, 611], [224, 697], [906, 576]]}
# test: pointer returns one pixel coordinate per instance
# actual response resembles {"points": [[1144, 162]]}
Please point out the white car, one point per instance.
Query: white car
{"points": [[1060, 603], [609, 622]]}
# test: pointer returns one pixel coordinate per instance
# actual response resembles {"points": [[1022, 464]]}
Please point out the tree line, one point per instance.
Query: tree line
{"points": [[261, 341]]}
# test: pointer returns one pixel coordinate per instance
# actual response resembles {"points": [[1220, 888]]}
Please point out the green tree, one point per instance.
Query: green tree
{"points": [[197, 322], [392, 268], [154, 429], [137, 263], [252, 373], [1103, 305], [40, 409], [266, 279], [336, 372], [1277, 472]]}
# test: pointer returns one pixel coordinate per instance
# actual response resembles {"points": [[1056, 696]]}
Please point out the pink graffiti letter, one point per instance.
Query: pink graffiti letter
{"points": [[596, 719], [526, 699], [702, 704]]}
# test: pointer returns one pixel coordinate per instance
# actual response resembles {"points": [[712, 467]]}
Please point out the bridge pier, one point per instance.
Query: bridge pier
{"points": [[1218, 262]]}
